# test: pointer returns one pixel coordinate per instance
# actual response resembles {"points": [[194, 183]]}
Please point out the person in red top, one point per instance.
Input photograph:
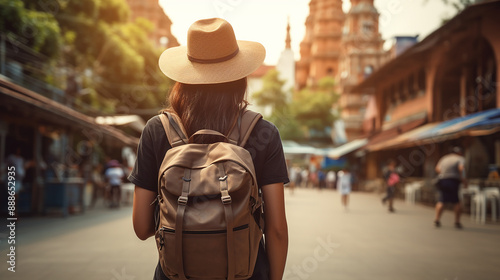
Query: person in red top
{"points": [[391, 177]]}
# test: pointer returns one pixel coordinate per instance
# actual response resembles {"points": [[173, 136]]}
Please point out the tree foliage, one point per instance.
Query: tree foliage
{"points": [[308, 114], [272, 92], [312, 106], [34, 29], [273, 95], [110, 56], [123, 62]]}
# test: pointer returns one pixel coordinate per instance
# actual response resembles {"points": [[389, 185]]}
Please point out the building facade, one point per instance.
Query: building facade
{"points": [[347, 47], [441, 92], [361, 53]]}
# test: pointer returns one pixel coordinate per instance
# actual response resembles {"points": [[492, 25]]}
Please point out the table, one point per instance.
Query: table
{"points": [[63, 194]]}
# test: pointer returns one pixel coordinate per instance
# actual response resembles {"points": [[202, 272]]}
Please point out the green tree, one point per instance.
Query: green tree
{"points": [[307, 115], [97, 44], [34, 29], [313, 107], [287, 125], [115, 53], [272, 94]]}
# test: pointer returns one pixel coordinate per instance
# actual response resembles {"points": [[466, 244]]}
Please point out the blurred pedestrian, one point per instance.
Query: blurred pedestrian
{"points": [[451, 172], [344, 185], [98, 184], [305, 177], [299, 177], [330, 179], [391, 178], [114, 175], [313, 178], [321, 179], [293, 178]]}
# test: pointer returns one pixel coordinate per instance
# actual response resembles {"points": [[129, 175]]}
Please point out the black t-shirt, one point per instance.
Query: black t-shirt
{"points": [[264, 145]]}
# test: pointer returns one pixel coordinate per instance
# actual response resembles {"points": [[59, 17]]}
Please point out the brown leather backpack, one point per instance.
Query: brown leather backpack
{"points": [[209, 204]]}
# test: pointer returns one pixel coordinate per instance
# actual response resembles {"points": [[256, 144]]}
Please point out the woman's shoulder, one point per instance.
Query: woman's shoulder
{"points": [[154, 122], [154, 133], [264, 125], [264, 131], [154, 127]]}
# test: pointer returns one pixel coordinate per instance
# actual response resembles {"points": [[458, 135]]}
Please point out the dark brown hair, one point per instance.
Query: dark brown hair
{"points": [[208, 106]]}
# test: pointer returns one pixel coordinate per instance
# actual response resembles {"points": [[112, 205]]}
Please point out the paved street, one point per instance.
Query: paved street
{"points": [[326, 242]]}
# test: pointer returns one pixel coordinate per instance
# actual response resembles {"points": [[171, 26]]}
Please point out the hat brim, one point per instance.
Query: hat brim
{"points": [[175, 64]]}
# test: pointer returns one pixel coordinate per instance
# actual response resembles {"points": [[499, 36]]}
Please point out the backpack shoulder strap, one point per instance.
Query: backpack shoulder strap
{"points": [[176, 134], [242, 130]]}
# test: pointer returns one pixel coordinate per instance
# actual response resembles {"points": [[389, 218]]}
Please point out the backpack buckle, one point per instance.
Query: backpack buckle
{"points": [[223, 178], [182, 200], [226, 199]]}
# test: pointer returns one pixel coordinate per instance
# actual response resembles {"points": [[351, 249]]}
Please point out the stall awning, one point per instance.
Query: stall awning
{"points": [[57, 113], [483, 120], [381, 138], [347, 148], [294, 148], [133, 121], [402, 139], [476, 124]]}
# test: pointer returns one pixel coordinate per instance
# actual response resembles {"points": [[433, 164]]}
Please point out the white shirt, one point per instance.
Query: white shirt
{"points": [[344, 182], [330, 176], [115, 175]]}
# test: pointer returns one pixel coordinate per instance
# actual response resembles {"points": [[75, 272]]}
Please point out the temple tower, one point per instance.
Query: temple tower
{"points": [[320, 49], [362, 52], [286, 65]]}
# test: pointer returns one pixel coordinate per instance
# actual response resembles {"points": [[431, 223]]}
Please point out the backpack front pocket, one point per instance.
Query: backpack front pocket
{"points": [[205, 252]]}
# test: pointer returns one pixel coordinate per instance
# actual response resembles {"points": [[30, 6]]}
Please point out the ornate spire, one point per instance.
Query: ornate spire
{"points": [[288, 39]]}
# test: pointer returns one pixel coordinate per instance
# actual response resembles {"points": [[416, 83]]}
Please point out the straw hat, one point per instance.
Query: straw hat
{"points": [[212, 55]]}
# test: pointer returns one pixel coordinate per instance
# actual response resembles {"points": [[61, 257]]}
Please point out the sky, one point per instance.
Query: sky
{"points": [[265, 21]]}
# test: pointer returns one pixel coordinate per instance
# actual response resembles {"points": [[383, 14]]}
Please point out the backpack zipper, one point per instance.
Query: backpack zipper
{"points": [[169, 230], [162, 241]]}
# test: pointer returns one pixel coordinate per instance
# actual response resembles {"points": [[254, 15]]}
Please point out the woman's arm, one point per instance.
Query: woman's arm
{"points": [[143, 213], [276, 229]]}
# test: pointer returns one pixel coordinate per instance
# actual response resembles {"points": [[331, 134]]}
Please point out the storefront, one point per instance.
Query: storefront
{"points": [[56, 143]]}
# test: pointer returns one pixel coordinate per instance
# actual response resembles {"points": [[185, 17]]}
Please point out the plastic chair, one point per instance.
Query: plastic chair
{"points": [[411, 191], [408, 192], [492, 195], [479, 204], [480, 200], [475, 201]]}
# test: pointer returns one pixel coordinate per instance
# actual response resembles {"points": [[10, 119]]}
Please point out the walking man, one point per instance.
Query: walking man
{"points": [[451, 170]]}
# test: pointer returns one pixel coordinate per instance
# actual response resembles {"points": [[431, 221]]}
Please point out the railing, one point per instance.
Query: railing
{"points": [[24, 66]]}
